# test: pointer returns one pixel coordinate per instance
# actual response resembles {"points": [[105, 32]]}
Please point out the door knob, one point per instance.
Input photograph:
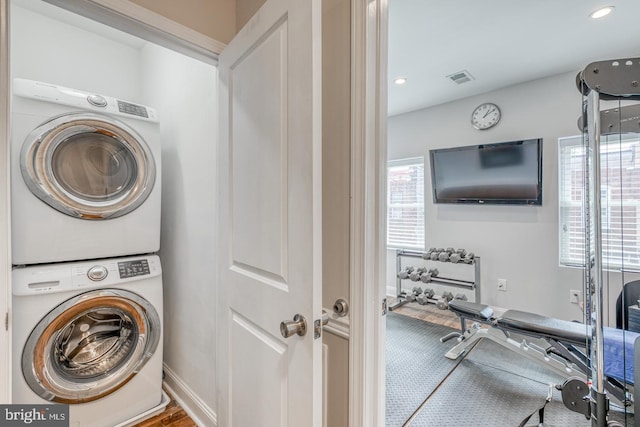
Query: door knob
{"points": [[296, 326]]}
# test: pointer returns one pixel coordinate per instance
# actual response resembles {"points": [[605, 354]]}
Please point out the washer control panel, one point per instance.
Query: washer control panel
{"points": [[136, 267], [84, 275]]}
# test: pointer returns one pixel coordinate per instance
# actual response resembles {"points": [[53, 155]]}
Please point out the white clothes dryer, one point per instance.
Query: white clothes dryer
{"points": [[85, 175], [89, 334]]}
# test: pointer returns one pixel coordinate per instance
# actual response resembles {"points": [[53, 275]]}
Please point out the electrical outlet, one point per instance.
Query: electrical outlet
{"points": [[575, 296], [502, 285]]}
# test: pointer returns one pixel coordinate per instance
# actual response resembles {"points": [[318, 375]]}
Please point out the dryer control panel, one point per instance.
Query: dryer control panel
{"points": [[88, 101], [129, 108], [137, 267]]}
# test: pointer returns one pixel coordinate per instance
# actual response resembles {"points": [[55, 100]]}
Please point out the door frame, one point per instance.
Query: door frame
{"points": [[368, 212], [5, 208], [368, 184]]}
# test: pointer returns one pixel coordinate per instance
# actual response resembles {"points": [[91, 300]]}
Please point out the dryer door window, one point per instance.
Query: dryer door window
{"points": [[94, 167], [88, 166], [90, 346]]}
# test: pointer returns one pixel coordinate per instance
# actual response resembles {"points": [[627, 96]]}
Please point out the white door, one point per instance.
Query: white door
{"points": [[270, 219]]}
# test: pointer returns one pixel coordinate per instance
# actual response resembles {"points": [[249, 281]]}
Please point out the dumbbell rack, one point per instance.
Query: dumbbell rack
{"points": [[465, 284]]}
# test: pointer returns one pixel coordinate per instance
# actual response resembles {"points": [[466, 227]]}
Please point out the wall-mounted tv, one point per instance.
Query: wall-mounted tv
{"points": [[500, 173]]}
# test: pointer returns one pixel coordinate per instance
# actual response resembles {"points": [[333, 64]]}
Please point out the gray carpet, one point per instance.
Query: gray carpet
{"points": [[490, 387], [415, 364], [493, 387]]}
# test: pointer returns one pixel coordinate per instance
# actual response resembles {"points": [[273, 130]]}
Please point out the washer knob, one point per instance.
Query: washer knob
{"points": [[97, 100], [97, 273]]}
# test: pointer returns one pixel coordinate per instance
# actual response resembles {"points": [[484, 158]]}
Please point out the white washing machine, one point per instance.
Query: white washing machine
{"points": [[89, 334], [85, 175]]}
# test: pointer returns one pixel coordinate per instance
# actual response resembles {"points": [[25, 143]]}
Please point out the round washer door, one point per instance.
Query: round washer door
{"points": [[88, 166], [90, 346]]}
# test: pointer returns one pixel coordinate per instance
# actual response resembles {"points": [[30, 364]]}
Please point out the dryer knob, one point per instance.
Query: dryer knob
{"points": [[97, 273], [97, 100]]}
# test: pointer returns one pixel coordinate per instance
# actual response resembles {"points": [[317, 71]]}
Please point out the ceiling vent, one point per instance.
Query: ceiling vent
{"points": [[460, 77]]}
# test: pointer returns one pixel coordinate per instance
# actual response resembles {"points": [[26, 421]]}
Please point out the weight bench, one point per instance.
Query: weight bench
{"points": [[560, 344]]}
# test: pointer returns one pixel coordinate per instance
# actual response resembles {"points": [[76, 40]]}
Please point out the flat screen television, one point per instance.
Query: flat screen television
{"points": [[500, 173]]}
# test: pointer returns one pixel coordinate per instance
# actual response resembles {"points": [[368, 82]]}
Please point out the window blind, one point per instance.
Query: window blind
{"points": [[619, 197], [405, 203]]}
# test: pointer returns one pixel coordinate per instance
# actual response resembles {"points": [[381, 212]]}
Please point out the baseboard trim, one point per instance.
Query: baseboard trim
{"points": [[201, 414]]}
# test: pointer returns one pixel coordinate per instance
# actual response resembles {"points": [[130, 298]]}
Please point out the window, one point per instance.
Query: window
{"points": [[619, 198], [405, 203]]}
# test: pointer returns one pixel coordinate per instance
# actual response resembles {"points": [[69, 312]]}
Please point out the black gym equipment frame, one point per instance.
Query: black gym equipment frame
{"points": [[612, 80]]}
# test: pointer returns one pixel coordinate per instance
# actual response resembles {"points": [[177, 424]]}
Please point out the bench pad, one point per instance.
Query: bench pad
{"points": [[471, 310], [545, 327]]}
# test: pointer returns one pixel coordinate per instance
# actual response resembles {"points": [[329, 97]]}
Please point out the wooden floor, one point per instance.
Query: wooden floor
{"points": [[173, 416], [429, 313]]}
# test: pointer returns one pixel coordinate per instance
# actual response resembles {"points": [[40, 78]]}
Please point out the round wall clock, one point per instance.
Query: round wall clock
{"points": [[485, 116]]}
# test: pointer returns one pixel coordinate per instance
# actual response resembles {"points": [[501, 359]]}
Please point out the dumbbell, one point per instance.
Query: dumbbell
{"points": [[425, 297], [457, 256], [442, 304], [434, 254], [404, 274], [411, 296], [443, 301], [425, 277], [415, 275], [422, 299], [461, 297], [468, 258], [444, 255], [427, 255], [429, 275]]}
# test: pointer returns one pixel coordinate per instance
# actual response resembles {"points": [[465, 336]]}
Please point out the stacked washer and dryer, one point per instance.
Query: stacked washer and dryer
{"points": [[87, 286]]}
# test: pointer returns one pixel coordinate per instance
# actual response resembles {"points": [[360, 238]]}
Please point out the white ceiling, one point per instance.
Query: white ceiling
{"points": [[500, 42]]}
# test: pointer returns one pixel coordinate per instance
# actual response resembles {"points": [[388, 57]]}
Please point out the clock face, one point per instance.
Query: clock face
{"points": [[485, 116]]}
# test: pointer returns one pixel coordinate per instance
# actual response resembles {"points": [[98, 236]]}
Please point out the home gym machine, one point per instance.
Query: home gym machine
{"points": [[424, 276], [613, 80]]}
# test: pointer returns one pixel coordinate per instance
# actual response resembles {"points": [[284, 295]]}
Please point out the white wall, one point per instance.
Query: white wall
{"points": [[185, 93], [45, 48], [517, 243]]}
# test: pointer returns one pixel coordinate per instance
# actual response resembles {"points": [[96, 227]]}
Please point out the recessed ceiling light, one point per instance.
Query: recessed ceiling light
{"points": [[400, 80], [603, 11]]}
